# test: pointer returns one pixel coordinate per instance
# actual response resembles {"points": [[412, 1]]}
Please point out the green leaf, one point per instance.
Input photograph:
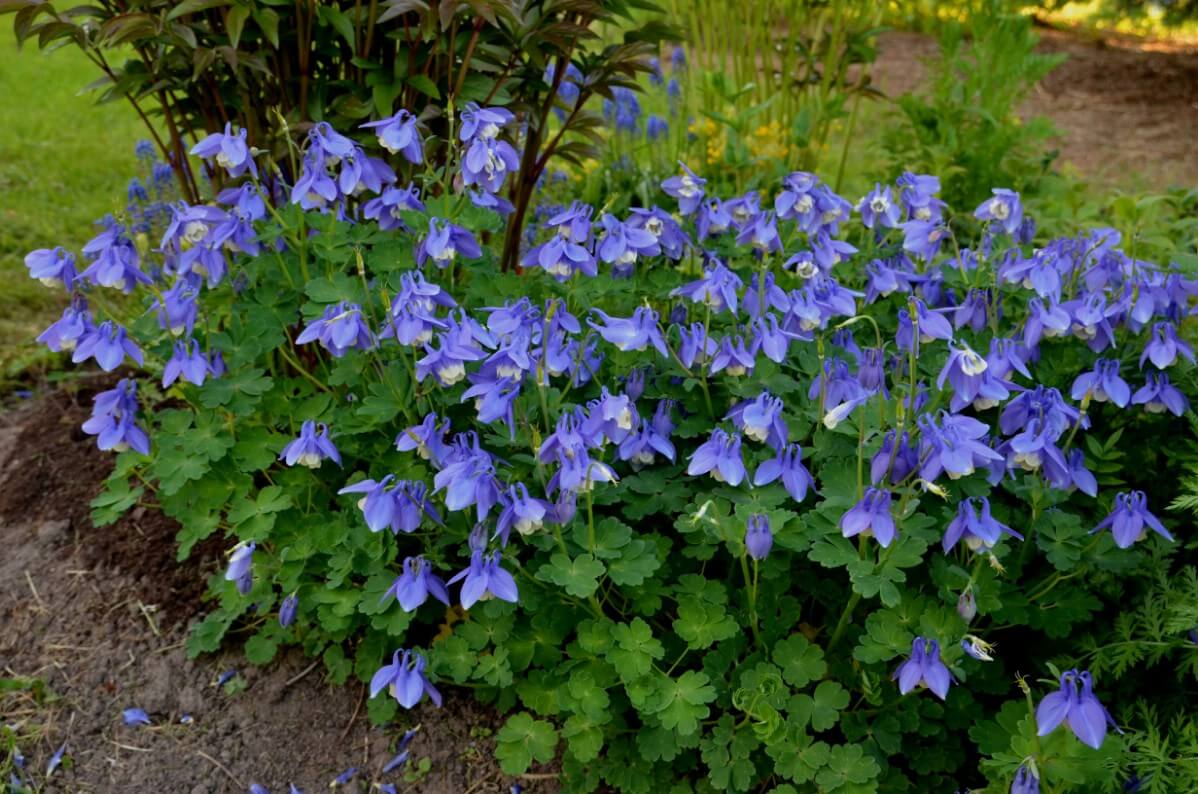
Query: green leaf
{"points": [[579, 577], [821, 710], [635, 649], [425, 86], [261, 648], [206, 636], [702, 625], [583, 737], [523, 740], [847, 764], [194, 6], [800, 660], [636, 563], [681, 703], [235, 23], [114, 501]]}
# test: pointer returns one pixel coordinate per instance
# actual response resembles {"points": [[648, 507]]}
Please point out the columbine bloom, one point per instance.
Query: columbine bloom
{"points": [[717, 289], [1004, 209], [480, 122], [413, 587], [641, 447], [1130, 520], [186, 361], [953, 446], [65, 332], [485, 578], [241, 569], [924, 669], [761, 419], [871, 516], [52, 266], [399, 134], [114, 420], [758, 537], [405, 680], [976, 525], [1102, 384], [623, 243], [340, 329], [108, 344], [1026, 781], [311, 447], [1165, 346], [687, 188], [898, 460], [521, 511], [633, 333], [1075, 705], [426, 438], [487, 163], [288, 609], [444, 242], [719, 456], [114, 260], [1158, 396], [964, 370], [732, 358], [761, 234], [923, 238], [230, 151], [977, 648]]}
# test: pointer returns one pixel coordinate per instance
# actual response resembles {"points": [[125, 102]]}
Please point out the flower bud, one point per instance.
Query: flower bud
{"points": [[758, 538], [967, 605]]}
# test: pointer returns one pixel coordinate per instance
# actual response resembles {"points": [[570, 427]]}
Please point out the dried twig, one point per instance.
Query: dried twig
{"points": [[301, 674], [221, 767]]}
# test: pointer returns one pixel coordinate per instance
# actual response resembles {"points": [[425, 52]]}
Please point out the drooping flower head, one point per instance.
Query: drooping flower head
{"points": [[976, 525], [871, 516], [311, 447], [924, 669], [404, 678], [1075, 705], [114, 420], [230, 151], [719, 456], [398, 134], [1130, 520], [758, 537]]}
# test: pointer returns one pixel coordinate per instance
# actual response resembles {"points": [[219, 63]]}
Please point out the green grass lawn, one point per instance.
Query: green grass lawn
{"points": [[64, 162]]}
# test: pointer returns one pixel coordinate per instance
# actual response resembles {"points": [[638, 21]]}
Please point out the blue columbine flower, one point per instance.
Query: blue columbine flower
{"points": [[426, 438], [241, 566], [389, 206], [924, 669], [732, 357], [186, 361], [1130, 520], [787, 465], [378, 505], [288, 609], [924, 238], [1157, 395], [964, 369], [871, 516], [52, 266], [398, 134], [695, 345], [114, 261], [311, 447], [761, 234], [878, 208], [1102, 384], [1165, 346], [664, 229], [917, 194], [469, 481], [405, 680], [976, 525], [1004, 209], [687, 188], [114, 420], [340, 329], [953, 445], [64, 334], [108, 344], [520, 511], [633, 333], [1075, 705], [717, 289], [177, 308], [1026, 780], [760, 419], [413, 587], [976, 647], [720, 457], [622, 243], [485, 578], [445, 242], [758, 537], [230, 151], [769, 338], [641, 447], [487, 163], [480, 122], [898, 459]]}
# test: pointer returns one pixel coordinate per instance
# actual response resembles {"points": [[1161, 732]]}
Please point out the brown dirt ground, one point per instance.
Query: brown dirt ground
{"points": [[1126, 108], [101, 614]]}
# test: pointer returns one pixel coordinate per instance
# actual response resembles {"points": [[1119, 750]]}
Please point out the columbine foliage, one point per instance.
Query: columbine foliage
{"points": [[684, 502]]}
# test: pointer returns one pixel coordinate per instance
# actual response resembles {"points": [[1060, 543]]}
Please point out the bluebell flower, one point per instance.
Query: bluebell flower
{"points": [[924, 238], [732, 358], [878, 208], [871, 516], [976, 525], [339, 329], [687, 188], [229, 149], [633, 333], [719, 456], [108, 344], [404, 678], [758, 537], [311, 448], [413, 587], [786, 465], [760, 419], [717, 289], [520, 511], [288, 609], [389, 206], [480, 122], [65, 333], [1157, 395], [188, 362], [1004, 209], [924, 669], [241, 566], [445, 242], [1130, 520], [485, 578], [1075, 705], [899, 459], [398, 134], [1102, 384], [114, 261], [1026, 781], [52, 266], [135, 717], [1165, 346]]}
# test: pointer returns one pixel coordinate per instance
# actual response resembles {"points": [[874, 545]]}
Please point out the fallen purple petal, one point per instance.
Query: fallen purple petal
{"points": [[135, 717]]}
